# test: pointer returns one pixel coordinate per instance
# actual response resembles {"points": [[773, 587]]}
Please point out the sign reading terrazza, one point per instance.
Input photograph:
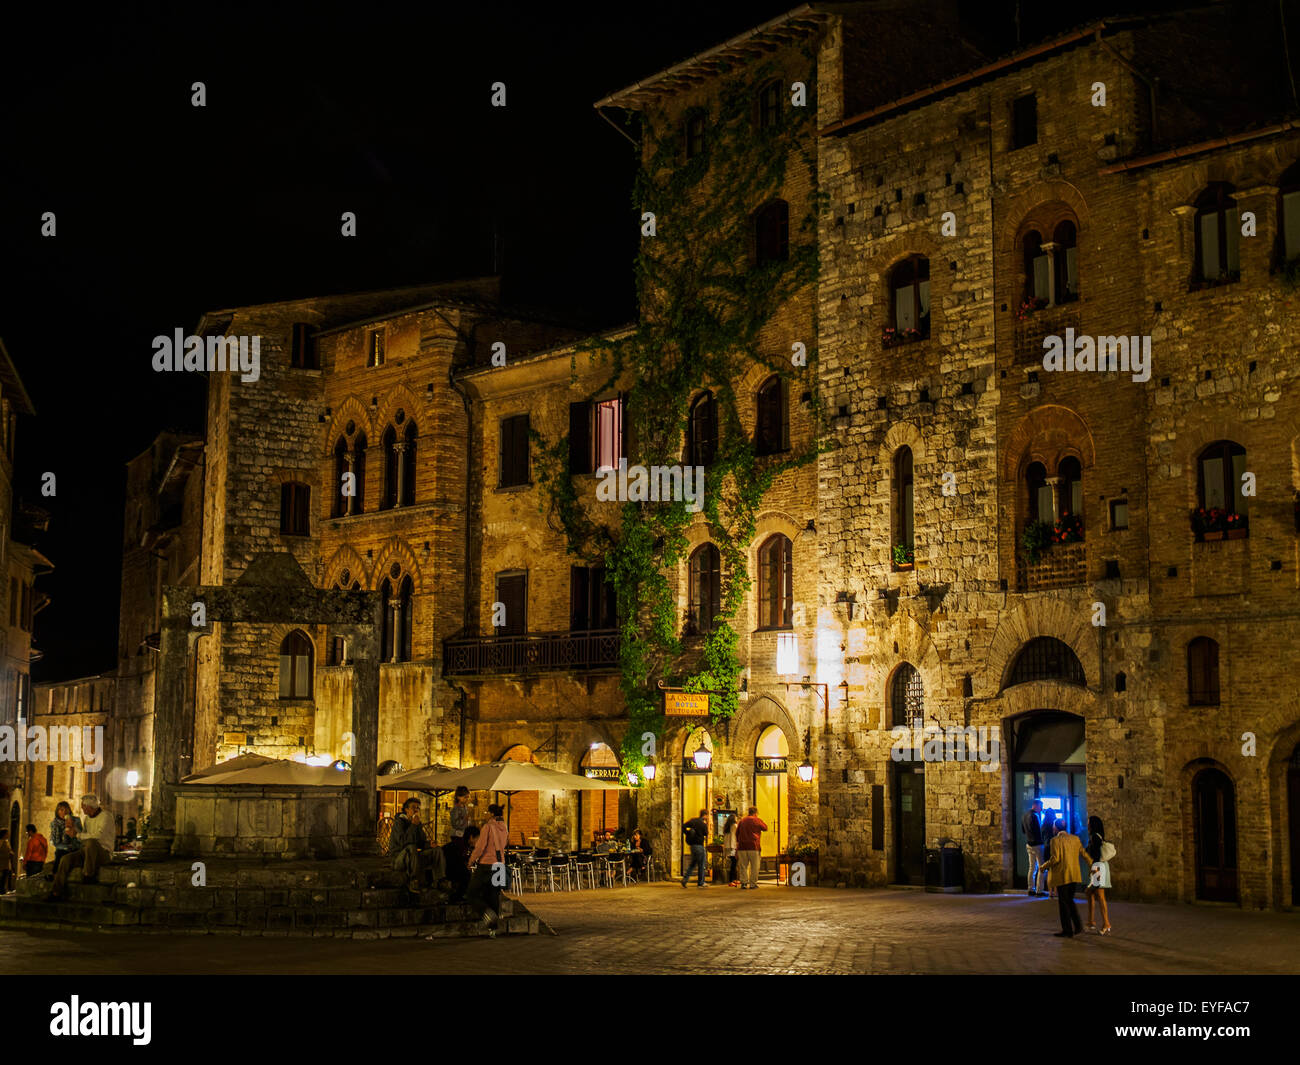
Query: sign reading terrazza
{"points": [[686, 704]]}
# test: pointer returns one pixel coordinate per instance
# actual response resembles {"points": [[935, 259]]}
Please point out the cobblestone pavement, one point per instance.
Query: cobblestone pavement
{"points": [[661, 928]]}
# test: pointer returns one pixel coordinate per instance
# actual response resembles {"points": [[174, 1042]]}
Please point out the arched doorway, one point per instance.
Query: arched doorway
{"points": [[598, 810], [697, 773], [1049, 763], [1215, 825], [771, 793], [522, 807], [1293, 820]]}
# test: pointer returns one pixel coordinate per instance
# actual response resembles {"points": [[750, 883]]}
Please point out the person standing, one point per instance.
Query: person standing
{"points": [[749, 847], [1049, 830], [1099, 881], [696, 833], [456, 852], [488, 861], [1063, 875], [1034, 846], [34, 854], [7, 862], [729, 838], [460, 812]]}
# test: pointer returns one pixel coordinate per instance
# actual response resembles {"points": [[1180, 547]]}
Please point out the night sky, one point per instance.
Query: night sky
{"points": [[165, 210]]}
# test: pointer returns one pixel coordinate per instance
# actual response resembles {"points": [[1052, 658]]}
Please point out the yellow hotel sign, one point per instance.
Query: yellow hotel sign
{"points": [[686, 704]]}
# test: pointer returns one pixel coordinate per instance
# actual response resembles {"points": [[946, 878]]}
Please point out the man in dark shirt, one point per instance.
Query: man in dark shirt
{"points": [[409, 848], [456, 852], [1034, 846], [696, 831]]}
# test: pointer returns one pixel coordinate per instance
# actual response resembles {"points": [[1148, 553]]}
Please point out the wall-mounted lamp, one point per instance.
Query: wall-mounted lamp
{"points": [[805, 771], [132, 779], [787, 654], [649, 769]]}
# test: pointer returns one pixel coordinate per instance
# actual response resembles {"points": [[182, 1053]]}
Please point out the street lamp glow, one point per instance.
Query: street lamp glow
{"points": [[787, 654], [132, 779], [703, 758], [649, 770], [805, 771], [632, 779]]}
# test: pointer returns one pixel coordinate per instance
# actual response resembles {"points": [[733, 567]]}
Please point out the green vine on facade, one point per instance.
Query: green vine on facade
{"points": [[705, 308]]}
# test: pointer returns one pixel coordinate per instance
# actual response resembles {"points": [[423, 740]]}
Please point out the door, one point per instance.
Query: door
{"points": [[909, 823], [1216, 837], [1293, 822], [695, 797]]}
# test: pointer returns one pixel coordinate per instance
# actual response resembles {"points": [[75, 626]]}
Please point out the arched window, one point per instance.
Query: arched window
{"points": [[772, 432], [340, 471], [388, 444], [705, 589], [408, 465], [1218, 234], [295, 666], [1046, 658], [702, 435], [1288, 209], [907, 697], [396, 602], [775, 583], [1071, 474], [909, 286], [902, 505], [1065, 258], [772, 233], [405, 616], [1041, 506], [1203, 672], [1220, 467], [769, 105]]}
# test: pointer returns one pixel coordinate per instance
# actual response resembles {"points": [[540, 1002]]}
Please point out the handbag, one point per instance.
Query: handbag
{"points": [[1107, 851]]}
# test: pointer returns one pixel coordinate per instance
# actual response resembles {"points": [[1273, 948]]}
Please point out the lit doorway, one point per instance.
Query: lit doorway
{"points": [[598, 810], [1050, 754], [771, 794], [696, 776], [1216, 836]]}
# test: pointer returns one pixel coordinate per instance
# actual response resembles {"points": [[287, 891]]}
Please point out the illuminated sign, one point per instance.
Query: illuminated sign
{"points": [[686, 704], [769, 765]]}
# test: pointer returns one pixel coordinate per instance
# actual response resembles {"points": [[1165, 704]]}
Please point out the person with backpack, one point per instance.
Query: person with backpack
{"points": [[696, 832], [1101, 854]]}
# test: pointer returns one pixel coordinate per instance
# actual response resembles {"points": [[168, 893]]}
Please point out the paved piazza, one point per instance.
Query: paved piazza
{"points": [[662, 928]]}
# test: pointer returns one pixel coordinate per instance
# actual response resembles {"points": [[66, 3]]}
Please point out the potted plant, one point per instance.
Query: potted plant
{"points": [[1028, 306], [903, 556], [1214, 523], [1036, 539], [1068, 529]]}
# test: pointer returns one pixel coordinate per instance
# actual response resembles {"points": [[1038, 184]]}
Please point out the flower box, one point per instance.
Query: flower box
{"points": [[1212, 534], [1235, 534]]}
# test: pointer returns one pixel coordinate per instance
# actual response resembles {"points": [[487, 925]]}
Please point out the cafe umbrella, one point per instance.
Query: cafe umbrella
{"points": [[426, 778]]}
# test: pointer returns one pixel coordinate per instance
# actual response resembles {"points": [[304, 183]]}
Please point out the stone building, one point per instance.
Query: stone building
{"points": [[1139, 668], [22, 564]]}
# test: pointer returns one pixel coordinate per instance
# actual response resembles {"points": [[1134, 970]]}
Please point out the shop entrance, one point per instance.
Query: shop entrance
{"points": [[1216, 836], [697, 766], [1293, 821], [771, 794], [909, 822], [598, 810], [1050, 757]]}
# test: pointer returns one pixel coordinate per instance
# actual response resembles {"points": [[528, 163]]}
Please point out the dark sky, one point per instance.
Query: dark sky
{"points": [[165, 210]]}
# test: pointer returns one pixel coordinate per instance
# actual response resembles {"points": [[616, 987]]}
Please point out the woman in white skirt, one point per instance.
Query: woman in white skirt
{"points": [[1100, 852]]}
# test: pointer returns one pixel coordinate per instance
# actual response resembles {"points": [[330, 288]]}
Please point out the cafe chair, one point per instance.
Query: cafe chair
{"points": [[584, 866], [616, 868]]}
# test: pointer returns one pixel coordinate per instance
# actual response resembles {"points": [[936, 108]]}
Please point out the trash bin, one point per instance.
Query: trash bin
{"points": [[945, 868]]}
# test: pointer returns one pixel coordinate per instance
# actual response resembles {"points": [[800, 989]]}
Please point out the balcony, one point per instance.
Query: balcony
{"points": [[1060, 566], [543, 652]]}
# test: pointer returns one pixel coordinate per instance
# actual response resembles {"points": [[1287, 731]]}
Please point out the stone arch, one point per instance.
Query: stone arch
{"points": [[350, 410], [1047, 434], [1027, 618], [1205, 431], [901, 434], [757, 714], [399, 397], [593, 732], [1187, 775], [346, 557], [1019, 213], [914, 647], [398, 551]]}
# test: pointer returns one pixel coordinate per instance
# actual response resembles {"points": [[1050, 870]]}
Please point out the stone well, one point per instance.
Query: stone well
{"points": [[248, 820]]}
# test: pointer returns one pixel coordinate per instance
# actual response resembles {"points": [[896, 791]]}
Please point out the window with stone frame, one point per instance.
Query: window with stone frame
{"points": [[776, 583], [704, 590], [1288, 215], [1066, 262], [769, 105], [295, 509], [1040, 498], [302, 348], [1024, 121], [1048, 241], [772, 426], [513, 461], [512, 594], [1046, 658], [909, 298], [1217, 235], [1203, 672], [907, 698], [902, 512], [375, 348], [296, 666], [1070, 481], [396, 597], [593, 603], [406, 476], [694, 128], [772, 233], [702, 431], [1219, 471]]}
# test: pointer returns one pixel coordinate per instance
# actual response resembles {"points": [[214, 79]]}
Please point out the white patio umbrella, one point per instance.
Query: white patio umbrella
{"points": [[230, 765], [277, 773]]}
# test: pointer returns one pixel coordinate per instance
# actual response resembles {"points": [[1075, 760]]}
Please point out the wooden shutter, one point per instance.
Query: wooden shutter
{"points": [[512, 592], [579, 576]]}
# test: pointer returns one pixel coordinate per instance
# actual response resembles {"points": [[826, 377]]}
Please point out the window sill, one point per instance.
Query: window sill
{"points": [[774, 628], [1204, 284], [294, 535], [514, 487]]}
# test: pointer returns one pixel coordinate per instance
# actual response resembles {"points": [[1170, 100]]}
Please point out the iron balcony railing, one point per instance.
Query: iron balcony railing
{"points": [[588, 652]]}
